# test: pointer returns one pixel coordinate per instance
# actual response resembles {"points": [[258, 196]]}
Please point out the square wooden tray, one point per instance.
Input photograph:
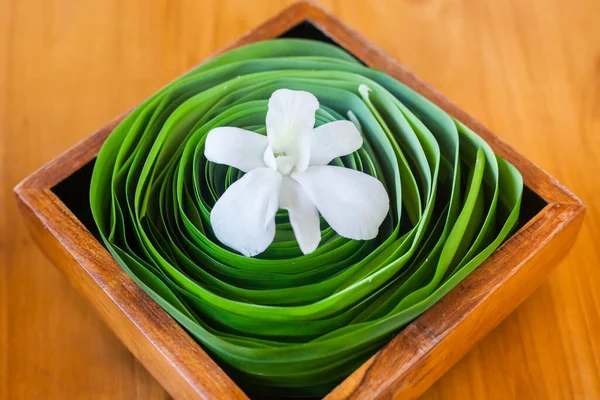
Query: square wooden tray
{"points": [[55, 203]]}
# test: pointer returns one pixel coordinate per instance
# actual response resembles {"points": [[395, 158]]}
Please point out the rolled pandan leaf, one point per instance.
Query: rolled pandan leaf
{"points": [[284, 323]]}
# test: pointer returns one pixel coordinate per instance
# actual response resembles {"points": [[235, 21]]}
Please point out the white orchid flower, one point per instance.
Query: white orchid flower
{"points": [[288, 169]]}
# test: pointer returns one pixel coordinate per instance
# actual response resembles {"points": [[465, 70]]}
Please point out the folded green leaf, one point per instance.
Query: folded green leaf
{"points": [[285, 323]]}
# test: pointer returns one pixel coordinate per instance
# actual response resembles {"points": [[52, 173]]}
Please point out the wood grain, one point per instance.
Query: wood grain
{"points": [[418, 356], [101, 58]]}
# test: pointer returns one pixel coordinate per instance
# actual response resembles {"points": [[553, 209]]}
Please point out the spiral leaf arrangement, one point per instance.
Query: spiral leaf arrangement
{"points": [[285, 323]]}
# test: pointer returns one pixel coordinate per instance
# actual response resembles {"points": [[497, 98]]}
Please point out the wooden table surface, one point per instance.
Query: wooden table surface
{"points": [[528, 69]]}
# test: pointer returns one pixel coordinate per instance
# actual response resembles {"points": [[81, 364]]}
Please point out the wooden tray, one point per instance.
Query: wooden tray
{"points": [[55, 203]]}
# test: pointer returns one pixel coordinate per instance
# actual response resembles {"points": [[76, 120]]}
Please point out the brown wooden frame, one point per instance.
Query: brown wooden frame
{"points": [[410, 363]]}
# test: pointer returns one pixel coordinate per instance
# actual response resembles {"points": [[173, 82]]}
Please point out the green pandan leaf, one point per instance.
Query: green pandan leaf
{"points": [[285, 323]]}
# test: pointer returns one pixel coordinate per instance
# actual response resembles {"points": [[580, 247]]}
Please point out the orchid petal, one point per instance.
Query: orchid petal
{"points": [[269, 158], [235, 147], [244, 216], [290, 119], [353, 203], [304, 216], [333, 140]]}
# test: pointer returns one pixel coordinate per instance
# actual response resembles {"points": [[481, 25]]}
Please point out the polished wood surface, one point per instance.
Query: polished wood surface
{"points": [[416, 358], [525, 69]]}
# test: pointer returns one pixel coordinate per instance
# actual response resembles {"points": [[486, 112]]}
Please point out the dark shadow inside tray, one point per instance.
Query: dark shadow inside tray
{"points": [[74, 190]]}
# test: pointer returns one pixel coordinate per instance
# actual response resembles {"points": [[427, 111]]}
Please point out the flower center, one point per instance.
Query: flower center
{"points": [[285, 164]]}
